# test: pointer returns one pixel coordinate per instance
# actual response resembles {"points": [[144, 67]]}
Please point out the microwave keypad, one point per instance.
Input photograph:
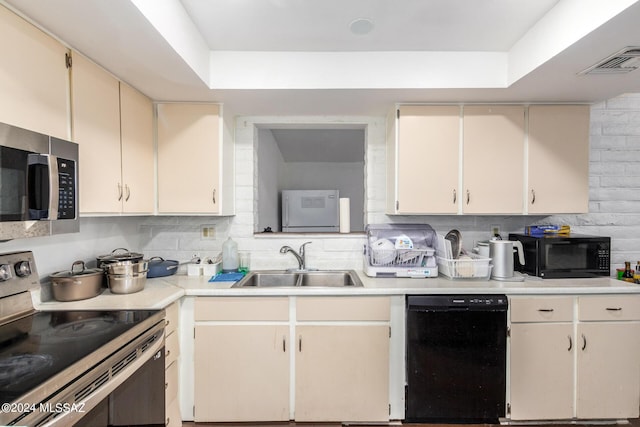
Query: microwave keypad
{"points": [[67, 189]]}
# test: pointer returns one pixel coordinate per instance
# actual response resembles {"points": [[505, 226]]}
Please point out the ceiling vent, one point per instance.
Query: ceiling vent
{"points": [[623, 61]]}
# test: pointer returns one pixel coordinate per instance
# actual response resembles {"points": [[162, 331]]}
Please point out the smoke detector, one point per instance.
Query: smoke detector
{"points": [[623, 61]]}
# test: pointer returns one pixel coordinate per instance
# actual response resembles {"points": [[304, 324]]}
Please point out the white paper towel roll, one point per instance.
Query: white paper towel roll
{"points": [[345, 215]]}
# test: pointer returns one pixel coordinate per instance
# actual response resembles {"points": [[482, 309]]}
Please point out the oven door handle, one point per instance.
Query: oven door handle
{"points": [[42, 175]]}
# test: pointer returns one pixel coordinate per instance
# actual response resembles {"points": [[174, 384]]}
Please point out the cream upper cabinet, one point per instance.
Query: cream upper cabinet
{"points": [[558, 159], [493, 159], [138, 179], [195, 162], [34, 81], [113, 125], [96, 129], [425, 148]]}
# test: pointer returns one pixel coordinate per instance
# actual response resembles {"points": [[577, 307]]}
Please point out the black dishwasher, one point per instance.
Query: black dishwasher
{"points": [[456, 358]]}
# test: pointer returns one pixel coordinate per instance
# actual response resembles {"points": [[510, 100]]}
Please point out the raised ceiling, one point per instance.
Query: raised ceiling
{"points": [[295, 57]]}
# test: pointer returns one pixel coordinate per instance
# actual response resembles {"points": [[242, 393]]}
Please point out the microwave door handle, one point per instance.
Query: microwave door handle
{"points": [[54, 187], [286, 211], [51, 164]]}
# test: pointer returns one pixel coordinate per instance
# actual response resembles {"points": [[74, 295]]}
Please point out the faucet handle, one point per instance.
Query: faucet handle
{"points": [[301, 251]]}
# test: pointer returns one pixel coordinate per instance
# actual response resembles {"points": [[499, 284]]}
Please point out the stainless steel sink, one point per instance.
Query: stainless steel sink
{"points": [[273, 278]]}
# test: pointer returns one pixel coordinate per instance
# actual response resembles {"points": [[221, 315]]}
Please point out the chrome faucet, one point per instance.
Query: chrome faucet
{"points": [[300, 255]]}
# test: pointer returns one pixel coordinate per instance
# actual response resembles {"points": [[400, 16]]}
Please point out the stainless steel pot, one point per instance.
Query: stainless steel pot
{"points": [[77, 284], [127, 267], [127, 283]]}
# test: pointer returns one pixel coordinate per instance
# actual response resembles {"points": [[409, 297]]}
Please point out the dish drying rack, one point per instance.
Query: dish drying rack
{"points": [[400, 250], [468, 266]]}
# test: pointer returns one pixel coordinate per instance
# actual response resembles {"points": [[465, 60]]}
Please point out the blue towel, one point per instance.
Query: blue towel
{"points": [[227, 277]]}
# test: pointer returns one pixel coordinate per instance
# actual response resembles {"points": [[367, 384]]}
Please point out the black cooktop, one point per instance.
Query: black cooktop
{"points": [[36, 348]]}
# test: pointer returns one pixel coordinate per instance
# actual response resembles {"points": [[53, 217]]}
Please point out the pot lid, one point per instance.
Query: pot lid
{"points": [[120, 254], [77, 272]]}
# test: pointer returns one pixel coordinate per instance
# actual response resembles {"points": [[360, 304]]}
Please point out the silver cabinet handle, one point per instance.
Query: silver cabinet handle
{"points": [[214, 196], [614, 308], [455, 196], [300, 343], [546, 310], [126, 186], [119, 191], [468, 196], [284, 344], [570, 343], [584, 342], [533, 196]]}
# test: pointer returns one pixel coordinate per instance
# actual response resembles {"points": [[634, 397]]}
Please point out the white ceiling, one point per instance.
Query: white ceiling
{"points": [[295, 57]]}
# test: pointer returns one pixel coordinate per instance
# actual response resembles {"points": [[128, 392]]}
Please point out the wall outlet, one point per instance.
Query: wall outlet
{"points": [[207, 232], [495, 230]]}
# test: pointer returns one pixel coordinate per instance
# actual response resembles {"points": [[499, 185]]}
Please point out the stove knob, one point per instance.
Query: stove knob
{"points": [[23, 268], [5, 272]]}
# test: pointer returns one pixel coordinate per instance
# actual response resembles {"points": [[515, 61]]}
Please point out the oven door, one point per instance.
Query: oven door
{"points": [[579, 258]]}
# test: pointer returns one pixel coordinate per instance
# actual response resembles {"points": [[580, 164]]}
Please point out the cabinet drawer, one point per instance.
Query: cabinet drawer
{"points": [[242, 308], [541, 309], [171, 383], [613, 307], [342, 308], [171, 318], [171, 349]]}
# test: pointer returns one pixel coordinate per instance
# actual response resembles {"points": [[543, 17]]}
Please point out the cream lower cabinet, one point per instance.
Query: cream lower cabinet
{"points": [[252, 360], [241, 369], [341, 364], [574, 358], [171, 375]]}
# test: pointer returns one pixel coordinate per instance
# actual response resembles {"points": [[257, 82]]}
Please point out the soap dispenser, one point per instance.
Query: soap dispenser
{"points": [[229, 256]]}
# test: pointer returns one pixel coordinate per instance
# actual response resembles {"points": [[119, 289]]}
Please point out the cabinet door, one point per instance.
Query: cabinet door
{"points": [[188, 158], [541, 371], [493, 159], [96, 128], [558, 159], [136, 114], [608, 385], [34, 80], [242, 373], [428, 159], [342, 373]]}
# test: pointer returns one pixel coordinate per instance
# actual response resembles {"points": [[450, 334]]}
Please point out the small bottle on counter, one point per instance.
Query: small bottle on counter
{"points": [[627, 276], [636, 274]]}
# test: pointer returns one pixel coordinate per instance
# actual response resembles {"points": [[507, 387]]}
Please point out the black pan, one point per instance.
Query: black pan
{"points": [[159, 267]]}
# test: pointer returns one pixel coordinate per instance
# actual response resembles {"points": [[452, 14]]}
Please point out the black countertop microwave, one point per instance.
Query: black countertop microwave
{"points": [[564, 256], [38, 184]]}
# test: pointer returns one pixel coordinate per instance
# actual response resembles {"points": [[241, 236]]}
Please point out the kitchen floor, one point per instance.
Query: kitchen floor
{"points": [[635, 422]]}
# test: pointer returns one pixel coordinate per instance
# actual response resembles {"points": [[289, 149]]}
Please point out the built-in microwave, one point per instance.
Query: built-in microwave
{"points": [[564, 256], [38, 184]]}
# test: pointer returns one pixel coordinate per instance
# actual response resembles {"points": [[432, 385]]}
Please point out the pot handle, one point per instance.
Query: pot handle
{"points": [[156, 257], [79, 262], [127, 251]]}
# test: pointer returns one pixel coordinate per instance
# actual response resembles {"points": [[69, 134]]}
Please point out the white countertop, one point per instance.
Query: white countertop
{"points": [[160, 292]]}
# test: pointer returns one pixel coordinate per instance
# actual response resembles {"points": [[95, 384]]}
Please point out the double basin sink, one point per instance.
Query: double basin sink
{"points": [[306, 278]]}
